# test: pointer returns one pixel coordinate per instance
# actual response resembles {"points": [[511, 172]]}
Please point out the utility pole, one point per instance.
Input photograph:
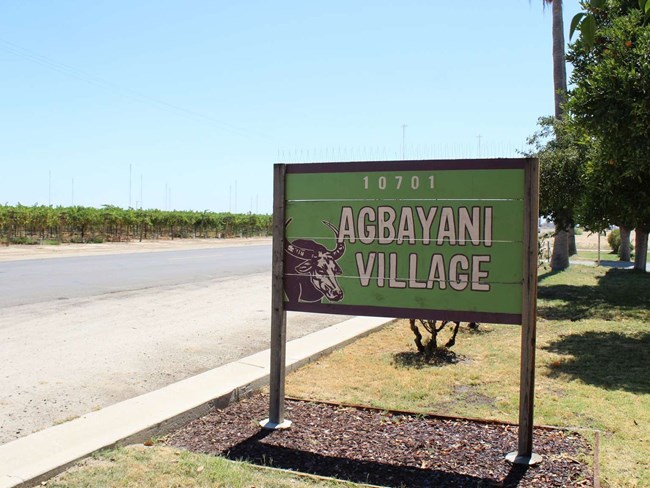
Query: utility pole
{"points": [[404, 126], [479, 137], [140, 190], [130, 185]]}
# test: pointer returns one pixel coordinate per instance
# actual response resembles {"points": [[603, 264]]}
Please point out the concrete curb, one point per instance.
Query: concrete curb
{"points": [[29, 460]]}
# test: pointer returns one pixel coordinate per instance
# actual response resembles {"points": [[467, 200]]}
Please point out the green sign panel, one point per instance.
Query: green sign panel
{"points": [[422, 239]]}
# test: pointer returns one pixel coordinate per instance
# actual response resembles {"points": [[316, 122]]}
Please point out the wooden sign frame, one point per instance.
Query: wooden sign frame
{"points": [[528, 282]]}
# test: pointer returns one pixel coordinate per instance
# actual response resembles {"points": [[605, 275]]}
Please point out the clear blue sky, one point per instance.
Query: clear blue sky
{"points": [[201, 97]]}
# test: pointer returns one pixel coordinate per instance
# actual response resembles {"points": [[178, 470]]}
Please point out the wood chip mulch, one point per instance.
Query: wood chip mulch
{"points": [[386, 449]]}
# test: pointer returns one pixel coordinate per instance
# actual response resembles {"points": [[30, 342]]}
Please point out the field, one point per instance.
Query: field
{"points": [[587, 246]]}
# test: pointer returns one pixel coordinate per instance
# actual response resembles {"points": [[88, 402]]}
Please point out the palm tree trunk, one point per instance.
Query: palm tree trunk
{"points": [[564, 244], [559, 65]]}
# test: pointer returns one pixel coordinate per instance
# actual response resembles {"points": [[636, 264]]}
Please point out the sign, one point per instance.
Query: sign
{"points": [[442, 240], [417, 239]]}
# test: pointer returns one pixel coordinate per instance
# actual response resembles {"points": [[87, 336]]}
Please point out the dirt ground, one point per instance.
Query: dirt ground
{"points": [[64, 358], [587, 241], [16, 252], [590, 241]]}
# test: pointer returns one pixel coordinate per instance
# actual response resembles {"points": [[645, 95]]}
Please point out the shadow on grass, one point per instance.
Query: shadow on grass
{"points": [[542, 276], [618, 293], [605, 359], [255, 451], [416, 360], [441, 356]]}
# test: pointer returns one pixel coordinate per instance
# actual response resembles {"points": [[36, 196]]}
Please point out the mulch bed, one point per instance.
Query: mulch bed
{"points": [[387, 449]]}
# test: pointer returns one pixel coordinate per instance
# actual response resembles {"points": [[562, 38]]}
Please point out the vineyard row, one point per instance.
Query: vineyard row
{"points": [[37, 224]]}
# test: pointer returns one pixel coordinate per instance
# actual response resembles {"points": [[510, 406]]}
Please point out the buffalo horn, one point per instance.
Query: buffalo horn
{"points": [[338, 251]]}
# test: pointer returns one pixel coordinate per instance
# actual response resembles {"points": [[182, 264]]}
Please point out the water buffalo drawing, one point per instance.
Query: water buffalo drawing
{"points": [[312, 269]]}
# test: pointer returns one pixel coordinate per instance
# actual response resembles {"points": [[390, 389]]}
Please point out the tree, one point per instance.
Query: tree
{"points": [[624, 251], [611, 100], [431, 348], [562, 148], [561, 242]]}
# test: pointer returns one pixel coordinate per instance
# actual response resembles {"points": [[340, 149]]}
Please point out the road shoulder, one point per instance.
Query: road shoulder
{"points": [[28, 460], [24, 252]]}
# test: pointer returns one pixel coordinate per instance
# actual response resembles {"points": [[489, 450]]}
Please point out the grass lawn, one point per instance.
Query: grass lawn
{"points": [[593, 372]]}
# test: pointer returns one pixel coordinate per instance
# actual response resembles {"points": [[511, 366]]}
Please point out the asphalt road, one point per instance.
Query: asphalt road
{"points": [[40, 280]]}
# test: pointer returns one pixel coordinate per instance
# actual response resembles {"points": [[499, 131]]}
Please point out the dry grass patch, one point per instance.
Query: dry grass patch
{"points": [[593, 365], [163, 467], [385, 371]]}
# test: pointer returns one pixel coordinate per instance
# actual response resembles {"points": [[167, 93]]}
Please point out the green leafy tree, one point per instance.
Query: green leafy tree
{"points": [[611, 100], [594, 10], [562, 148]]}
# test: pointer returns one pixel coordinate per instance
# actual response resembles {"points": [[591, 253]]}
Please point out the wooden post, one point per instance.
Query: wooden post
{"points": [[276, 418], [524, 453]]}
